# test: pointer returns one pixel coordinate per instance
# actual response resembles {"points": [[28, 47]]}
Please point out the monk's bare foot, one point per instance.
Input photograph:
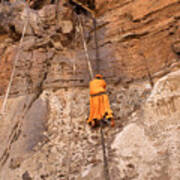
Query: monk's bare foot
{"points": [[112, 123]]}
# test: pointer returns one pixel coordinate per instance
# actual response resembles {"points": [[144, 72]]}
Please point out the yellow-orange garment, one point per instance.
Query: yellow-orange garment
{"points": [[99, 102]]}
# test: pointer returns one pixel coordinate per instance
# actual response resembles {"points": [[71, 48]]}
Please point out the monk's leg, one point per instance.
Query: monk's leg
{"points": [[108, 111], [90, 119]]}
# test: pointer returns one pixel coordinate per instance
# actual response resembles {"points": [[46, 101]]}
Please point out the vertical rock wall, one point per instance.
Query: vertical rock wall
{"points": [[43, 134]]}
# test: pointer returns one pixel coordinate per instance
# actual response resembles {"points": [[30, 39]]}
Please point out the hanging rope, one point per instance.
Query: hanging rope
{"points": [[96, 47], [106, 169], [85, 49], [15, 62]]}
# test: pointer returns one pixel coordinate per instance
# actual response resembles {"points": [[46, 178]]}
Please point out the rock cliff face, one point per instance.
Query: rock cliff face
{"points": [[43, 133]]}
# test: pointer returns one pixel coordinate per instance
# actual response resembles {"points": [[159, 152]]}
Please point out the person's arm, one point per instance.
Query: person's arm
{"points": [[104, 84]]}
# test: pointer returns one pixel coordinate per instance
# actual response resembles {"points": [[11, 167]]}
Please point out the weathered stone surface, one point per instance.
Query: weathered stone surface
{"points": [[176, 47], [29, 43], [134, 152], [66, 26], [26, 126], [129, 45], [26, 176], [48, 14], [35, 124], [147, 148], [44, 134]]}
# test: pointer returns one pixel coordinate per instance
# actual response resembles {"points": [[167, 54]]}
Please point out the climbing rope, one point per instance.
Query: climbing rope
{"points": [[96, 47], [106, 169], [85, 48], [15, 62]]}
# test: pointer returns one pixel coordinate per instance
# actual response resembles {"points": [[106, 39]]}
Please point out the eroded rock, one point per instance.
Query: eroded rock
{"points": [[52, 136], [176, 47]]}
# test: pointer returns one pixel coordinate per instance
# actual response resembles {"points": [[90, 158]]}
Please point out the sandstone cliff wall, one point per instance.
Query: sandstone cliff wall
{"points": [[133, 36], [43, 134]]}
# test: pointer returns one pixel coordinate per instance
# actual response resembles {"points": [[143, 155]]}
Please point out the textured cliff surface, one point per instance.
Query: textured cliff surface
{"points": [[43, 134], [133, 36]]}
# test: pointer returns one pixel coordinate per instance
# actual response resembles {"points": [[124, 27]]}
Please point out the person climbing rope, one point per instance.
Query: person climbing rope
{"points": [[99, 103]]}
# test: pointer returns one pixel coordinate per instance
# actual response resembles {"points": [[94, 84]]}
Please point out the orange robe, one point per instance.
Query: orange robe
{"points": [[99, 103]]}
